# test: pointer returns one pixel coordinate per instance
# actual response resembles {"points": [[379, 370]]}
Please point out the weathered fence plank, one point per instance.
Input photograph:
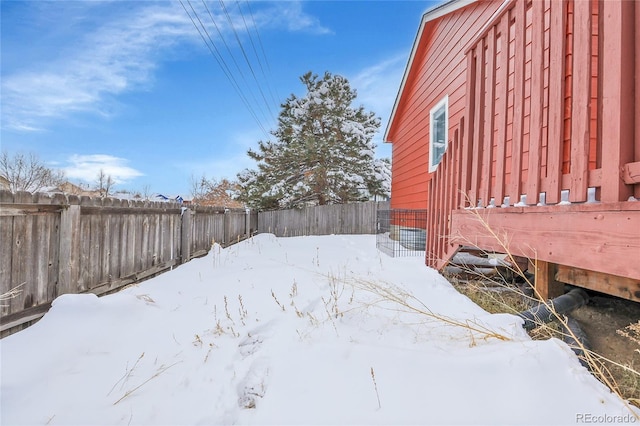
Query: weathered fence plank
{"points": [[65, 244], [353, 218], [186, 228], [68, 270]]}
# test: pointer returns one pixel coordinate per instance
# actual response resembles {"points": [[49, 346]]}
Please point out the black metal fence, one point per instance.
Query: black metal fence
{"points": [[401, 232]]}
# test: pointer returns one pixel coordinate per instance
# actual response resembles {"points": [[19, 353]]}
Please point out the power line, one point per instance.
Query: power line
{"points": [[255, 51], [221, 62], [264, 54], [244, 53], [233, 58]]}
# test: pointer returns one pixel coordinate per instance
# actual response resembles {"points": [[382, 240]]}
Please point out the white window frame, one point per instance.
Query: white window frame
{"points": [[444, 102]]}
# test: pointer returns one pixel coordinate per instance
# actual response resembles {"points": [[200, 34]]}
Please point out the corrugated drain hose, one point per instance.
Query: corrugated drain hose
{"points": [[561, 305]]}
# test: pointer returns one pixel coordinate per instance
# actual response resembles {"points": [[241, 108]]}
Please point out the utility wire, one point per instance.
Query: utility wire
{"points": [[244, 53], [221, 62], [264, 54], [255, 51], [233, 58]]}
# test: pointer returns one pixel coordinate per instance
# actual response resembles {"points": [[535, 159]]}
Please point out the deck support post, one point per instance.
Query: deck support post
{"points": [[545, 282]]}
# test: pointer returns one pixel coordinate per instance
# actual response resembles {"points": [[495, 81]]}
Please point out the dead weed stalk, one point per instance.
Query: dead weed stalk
{"points": [[598, 364], [408, 303], [160, 370]]}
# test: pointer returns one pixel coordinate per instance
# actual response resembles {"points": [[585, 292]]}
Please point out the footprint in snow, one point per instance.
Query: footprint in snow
{"points": [[249, 345], [253, 386]]}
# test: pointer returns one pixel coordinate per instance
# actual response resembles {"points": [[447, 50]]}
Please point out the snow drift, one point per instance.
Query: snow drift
{"points": [[306, 330]]}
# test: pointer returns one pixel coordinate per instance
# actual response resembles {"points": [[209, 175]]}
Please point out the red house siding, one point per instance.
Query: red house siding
{"points": [[439, 69], [540, 110]]}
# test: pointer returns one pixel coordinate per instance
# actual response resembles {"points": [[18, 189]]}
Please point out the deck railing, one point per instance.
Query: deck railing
{"points": [[549, 115]]}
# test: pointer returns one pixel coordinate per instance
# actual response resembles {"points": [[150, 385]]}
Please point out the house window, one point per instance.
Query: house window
{"points": [[438, 132]]}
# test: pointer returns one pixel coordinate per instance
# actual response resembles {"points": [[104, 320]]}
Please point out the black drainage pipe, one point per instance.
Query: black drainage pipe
{"points": [[576, 339], [561, 305]]}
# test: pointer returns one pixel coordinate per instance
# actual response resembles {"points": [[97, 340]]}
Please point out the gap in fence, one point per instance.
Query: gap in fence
{"points": [[401, 232]]}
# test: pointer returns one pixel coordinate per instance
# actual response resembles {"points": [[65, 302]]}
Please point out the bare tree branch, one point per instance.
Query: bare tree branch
{"points": [[25, 172]]}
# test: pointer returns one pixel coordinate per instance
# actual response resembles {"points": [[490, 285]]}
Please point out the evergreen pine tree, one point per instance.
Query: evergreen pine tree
{"points": [[322, 154]]}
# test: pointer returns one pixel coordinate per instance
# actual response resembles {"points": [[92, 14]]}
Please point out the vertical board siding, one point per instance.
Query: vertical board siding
{"points": [[448, 175], [467, 149], [487, 164], [617, 106], [537, 102], [432, 76], [581, 101], [635, 53], [547, 112], [555, 117], [502, 65], [478, 121], [519, 15]]}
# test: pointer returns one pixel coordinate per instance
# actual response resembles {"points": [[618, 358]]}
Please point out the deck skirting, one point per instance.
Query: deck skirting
{"points": [[603, 238]]}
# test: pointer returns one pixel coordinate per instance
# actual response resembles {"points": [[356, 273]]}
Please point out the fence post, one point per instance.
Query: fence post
{"points": [[67, 258], [185, 241], [247, 223], [225, 226]]}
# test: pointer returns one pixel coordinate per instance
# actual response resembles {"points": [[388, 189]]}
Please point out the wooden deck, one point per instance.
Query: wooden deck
{"points": [[546, 161]]}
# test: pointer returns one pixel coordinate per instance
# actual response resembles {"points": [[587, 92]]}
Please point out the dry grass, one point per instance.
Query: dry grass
{"points": [[493, 299], [375, 386], [128, 373], [14, 292], [158, 372], [621, 379], [632, 332], [405, 302]]}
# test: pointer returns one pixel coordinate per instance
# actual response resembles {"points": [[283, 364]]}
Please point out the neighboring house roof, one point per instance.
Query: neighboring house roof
{"points": [[227, 202], [4, 183], [430, 15], [73, 189]]}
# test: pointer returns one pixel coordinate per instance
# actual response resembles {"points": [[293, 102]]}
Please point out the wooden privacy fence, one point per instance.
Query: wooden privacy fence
{"points": [[52, 245], [354, 218]]}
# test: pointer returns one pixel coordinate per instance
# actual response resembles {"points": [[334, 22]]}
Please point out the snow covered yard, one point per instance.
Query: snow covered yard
{"points": [[292, 331]]}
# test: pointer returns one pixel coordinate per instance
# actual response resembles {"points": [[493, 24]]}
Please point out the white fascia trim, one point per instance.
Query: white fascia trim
{"points": [[431, 14]]}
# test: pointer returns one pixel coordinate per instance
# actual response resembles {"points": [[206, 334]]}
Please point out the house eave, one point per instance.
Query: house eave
{"points": [[430, 15]]}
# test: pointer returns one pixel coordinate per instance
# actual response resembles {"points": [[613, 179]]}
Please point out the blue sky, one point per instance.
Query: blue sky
{"points": [[131, 87]]}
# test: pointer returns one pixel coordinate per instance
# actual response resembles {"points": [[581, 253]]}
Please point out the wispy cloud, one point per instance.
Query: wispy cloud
{"points": [[377, 87], [114, 58], [220, 168], [378, 84], [87, 167], [290, 15], [116, 55]]}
